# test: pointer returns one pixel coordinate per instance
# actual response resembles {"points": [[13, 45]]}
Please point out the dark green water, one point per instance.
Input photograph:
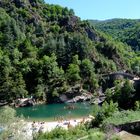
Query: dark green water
{"points": [[51, 111]]}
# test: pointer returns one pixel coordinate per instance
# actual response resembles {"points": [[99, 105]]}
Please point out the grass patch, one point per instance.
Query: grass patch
{"points": [[122, 117]]}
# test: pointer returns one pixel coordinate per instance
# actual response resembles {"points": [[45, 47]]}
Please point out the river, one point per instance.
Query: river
{"points": [[52, 111]]}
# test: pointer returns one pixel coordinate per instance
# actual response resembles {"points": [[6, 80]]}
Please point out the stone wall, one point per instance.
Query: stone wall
{"points": [[133, 127]]}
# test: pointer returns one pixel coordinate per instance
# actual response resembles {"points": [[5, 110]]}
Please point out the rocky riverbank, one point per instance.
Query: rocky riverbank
{"points": [[75, 94]]}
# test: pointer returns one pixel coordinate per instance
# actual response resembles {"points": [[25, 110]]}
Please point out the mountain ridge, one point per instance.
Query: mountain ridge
{"points": [[124, 30]]}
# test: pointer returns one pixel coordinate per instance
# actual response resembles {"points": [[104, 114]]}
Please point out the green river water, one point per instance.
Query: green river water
{"points": [[53, 111]]}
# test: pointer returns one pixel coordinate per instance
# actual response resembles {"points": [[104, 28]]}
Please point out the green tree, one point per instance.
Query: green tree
{"points": [[7, 115], [88, 75], [73, 71], [53, 76], [122, 93], [103, 112], [12, 125]]}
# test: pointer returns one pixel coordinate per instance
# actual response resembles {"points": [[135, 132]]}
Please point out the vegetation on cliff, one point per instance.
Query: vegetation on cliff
{"points": [[44, 49], [125, 30]]}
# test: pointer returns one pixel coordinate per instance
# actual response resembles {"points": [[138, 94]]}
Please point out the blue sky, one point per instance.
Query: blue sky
{"points": [[102, 9]]}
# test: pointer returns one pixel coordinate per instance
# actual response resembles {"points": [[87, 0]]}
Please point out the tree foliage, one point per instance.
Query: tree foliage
{"points": [[46, 48]]}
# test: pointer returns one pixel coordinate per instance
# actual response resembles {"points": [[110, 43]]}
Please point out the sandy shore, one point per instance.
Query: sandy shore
{"points": [[29, 128]]}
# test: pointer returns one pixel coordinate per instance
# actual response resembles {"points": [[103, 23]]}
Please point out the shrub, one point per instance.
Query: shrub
{"points": [[60, 133], [57, 133], [137, 105], [103, 112], [96, 134]]}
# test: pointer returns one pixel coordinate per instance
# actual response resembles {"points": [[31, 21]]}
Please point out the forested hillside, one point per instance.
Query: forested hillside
{"points": [[44, 49], [125, 30]]}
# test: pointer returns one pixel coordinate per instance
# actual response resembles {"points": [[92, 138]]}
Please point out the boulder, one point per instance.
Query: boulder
{"points": [[24, 102], [123, 135]]}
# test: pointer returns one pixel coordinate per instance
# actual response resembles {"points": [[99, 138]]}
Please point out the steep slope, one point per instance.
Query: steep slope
{"points": [[44, 49], [125, 30]]}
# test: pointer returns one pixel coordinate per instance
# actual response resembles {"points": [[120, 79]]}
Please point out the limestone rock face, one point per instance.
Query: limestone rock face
{"points": [[91, 34], [75, 94], [24, 102]]}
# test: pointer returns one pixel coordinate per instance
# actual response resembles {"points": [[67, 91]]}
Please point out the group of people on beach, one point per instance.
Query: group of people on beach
{"points": [[59, 118], [59, 122], [38, 126]]}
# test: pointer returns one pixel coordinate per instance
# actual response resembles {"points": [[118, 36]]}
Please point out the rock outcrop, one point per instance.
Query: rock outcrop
{"points": [[124, 135], [24, 102], [81, 98], [75, 94]]}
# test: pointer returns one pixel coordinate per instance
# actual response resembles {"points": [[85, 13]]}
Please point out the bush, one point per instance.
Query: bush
{"points": [[96, 134], [62, 134], [7, 115], [10, 124], [104, 112], [57, 133], [123, 93], [137, 105]]}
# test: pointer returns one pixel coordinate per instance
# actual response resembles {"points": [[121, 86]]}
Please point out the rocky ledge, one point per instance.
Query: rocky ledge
{"points": [[24, 102], [75, 94], [81, 98]]}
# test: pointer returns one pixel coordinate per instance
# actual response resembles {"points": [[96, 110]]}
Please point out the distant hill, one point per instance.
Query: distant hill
{"points": [[125, 30]]}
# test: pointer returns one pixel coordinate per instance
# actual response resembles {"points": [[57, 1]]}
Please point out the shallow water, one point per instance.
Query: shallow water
{"points": [[53, 111]]}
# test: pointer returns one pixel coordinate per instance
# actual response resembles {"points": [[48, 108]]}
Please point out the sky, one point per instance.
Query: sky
{"points": [[102, 9]]}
